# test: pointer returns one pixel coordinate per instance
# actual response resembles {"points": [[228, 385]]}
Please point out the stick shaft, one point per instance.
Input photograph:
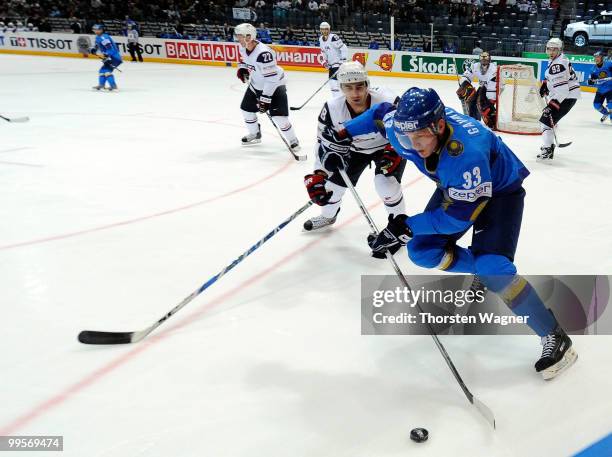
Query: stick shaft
{"points": [[315, 93], [402, 278]]}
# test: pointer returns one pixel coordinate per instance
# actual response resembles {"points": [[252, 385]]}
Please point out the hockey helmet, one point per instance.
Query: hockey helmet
{"points": [[247, 30], [352, 72], [418, 109]]}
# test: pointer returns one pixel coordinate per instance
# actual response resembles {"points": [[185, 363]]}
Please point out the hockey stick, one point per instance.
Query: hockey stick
{"points": [[112, 66], [295, 156], [96, 337], [554, 130], [15, 119], [480, 406], [464, 105], [296, 108]]}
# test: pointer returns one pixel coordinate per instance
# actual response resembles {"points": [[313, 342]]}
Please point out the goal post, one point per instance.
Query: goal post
{"points": [[519, 105]]}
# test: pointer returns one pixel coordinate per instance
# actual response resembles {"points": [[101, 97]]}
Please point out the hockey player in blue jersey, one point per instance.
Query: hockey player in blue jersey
{"points": [[111, 58], [601, 76], [479, 186]]}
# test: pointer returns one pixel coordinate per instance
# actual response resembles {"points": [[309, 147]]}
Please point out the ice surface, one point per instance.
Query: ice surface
{"points": [[115, 206]]}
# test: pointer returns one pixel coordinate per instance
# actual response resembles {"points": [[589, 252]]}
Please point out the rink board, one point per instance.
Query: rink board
{"points": [[379, 62]]}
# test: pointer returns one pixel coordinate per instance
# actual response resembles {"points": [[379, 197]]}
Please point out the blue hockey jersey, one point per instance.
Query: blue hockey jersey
{"points": [[106, 45], [605, 71], [472, 166]]}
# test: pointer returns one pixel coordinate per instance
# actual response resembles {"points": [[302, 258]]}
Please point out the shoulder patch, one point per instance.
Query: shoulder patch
{"points": [[454, 148], [334, 37]]}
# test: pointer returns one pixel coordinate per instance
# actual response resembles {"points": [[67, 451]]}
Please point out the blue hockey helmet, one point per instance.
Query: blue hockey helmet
{"points": [[97, 27], [418, 109]]}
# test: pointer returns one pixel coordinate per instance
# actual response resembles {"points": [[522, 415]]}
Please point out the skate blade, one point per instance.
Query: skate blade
{"points": [[569, 358], [251, 143]]}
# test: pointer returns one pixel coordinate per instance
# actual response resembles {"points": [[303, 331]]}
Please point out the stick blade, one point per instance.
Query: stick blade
{"points": [[20, 119], [95, 337], [294, 108], [564, 145], [485, 411]]}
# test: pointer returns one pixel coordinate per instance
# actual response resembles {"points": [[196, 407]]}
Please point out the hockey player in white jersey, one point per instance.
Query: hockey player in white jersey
{"points": [[335, 54], [561, 89], [482, 102], [326, 187], [266, 90]]}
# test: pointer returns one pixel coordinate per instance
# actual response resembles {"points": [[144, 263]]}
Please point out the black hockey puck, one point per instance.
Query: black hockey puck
{"points": [[419, 435]]}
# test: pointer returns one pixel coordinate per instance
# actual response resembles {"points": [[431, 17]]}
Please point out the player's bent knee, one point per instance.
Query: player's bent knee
{"points": [[425, 256], [388, 188]]}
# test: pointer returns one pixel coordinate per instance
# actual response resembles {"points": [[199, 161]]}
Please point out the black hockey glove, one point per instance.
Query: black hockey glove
{"points": [[93, 51], [315, 186], [394, 236], [107, 60], [264, 103], [552, 108], [591, 82], [243, 74], [334, 149], [544, 89]]}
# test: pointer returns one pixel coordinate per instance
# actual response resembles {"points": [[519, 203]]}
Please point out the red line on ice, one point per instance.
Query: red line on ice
{"points": [[90, 379], [150, 216]]}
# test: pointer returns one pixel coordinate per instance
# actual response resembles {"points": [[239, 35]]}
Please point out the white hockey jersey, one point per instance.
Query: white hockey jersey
{"points": [[337, 111], [561, 79], [487, 78], [265, 74], [333, 49]]}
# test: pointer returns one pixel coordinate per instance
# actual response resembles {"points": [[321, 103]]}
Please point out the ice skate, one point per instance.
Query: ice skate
{"points": [[557, 354], [252, 138]]}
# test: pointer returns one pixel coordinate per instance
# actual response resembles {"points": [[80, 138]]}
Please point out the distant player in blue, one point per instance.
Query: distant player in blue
{"points": [[112, 58], [602, 70], [479, 185]]}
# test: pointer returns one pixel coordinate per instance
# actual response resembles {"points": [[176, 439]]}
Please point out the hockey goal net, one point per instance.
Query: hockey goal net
{"points": [[519, 105]]}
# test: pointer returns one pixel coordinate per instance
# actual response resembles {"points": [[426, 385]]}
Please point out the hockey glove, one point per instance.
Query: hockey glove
{"points": [[315, 186], [552, 108], [591, 82], [334, 149], [264, 103], [325, 65], [243, 74], [466, 92], [544, 89], [93, 51], [389, 161], [394, 236], [107, 61]]}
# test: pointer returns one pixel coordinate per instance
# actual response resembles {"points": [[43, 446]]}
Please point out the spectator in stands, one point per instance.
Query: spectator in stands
{"points": [[523, 6], [260, 4], [263, 34], [397, 44], [427, 45], [228, 32], [511, 3], [288, 36], [298, 5], [533, 8], [313, 5], [75, 26], [477, 50], [450, 48], [373, 44], [545, 4], [323, 6]]}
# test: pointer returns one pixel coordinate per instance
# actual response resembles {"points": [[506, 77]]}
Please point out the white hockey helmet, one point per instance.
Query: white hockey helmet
{"points": [[245, 29], [352, 72], [554, 43], [324, 26]]}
